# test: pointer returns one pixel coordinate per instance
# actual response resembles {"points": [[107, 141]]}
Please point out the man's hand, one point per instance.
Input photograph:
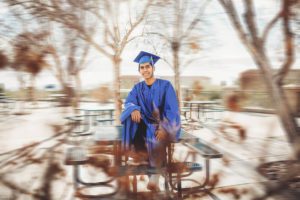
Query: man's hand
{"points": [[161, 135], [136, 116]]}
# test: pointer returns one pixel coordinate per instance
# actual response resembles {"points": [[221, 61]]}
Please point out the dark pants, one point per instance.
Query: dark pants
{"points": [[157, 155], [139, 141]]}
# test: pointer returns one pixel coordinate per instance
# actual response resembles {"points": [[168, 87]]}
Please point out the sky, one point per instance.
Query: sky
{"points": [[222, 61]]}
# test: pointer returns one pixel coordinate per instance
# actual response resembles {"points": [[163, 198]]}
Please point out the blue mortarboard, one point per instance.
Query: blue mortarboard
{"points": [[145, 57]]}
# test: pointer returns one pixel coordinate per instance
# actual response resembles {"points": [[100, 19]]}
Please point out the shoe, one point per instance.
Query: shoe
{"points": [[153, 184], [153, 187]]}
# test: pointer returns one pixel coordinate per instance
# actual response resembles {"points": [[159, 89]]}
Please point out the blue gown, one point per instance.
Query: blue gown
{"points": [[158, 106]]}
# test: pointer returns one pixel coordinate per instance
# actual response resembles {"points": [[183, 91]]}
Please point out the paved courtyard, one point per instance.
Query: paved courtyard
{"points": [[264, 141]]}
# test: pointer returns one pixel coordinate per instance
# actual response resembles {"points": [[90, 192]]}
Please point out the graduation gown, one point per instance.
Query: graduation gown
{"points": [[158, 106]]}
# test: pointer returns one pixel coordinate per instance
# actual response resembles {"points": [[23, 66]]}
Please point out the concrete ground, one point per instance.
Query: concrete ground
{"points": [[264, 141]]}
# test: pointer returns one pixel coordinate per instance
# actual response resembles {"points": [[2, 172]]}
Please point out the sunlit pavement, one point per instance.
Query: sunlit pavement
{"points": [[265, 141]]}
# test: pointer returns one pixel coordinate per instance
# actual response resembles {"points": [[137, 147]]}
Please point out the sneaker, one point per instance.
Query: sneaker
{"points": [[153, 187], [153, 184]]}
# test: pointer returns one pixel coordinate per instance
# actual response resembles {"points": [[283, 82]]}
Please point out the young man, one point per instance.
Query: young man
{"points": [[151, 117]]}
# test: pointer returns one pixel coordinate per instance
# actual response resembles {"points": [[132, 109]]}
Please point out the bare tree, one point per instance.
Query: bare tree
{"points": [[30, 52], [255, 41], [256, 45], [116, 28], [60, 41], [117, 33], [70, 56], [179, 32]]}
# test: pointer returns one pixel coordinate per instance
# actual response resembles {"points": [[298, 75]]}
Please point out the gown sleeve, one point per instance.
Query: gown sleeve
{"points": [[171, 117], [131, 104], [129, 127]]}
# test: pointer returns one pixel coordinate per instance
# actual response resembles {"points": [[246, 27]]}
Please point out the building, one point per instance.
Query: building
{"points": [[252, 79], [253, 86], [127, 81]]}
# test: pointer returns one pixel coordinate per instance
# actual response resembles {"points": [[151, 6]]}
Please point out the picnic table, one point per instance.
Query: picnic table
{"points": [[57, 99], [90, 117], [6, 104], [204, 109], [173, 171], [102, 113]]}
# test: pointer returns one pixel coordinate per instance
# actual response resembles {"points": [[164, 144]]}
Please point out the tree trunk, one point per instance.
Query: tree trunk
{"points": [[280, 102], [177, 78], [32, 89], [78, 91], [22, 94], [117, 87], [286, 115], [175, 50]]}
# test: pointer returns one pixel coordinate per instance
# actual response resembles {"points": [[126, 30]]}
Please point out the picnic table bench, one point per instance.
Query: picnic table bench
{"points": [[82, 124], [173, 171]]}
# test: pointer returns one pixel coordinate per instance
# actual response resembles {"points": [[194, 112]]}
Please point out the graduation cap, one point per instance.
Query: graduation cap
{"points": [[145, 57]]}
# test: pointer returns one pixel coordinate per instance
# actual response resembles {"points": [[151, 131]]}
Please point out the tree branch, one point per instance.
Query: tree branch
{"points": [[190, 61], [195, 21], [83, 58], [270, 26], [168, 63], [134, 25], [167, 39], [134, 37], [250, 22], [289, 43], [233, 16]]}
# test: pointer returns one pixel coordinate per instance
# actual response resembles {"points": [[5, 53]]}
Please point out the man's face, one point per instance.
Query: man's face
{"points": [[146, 70]]}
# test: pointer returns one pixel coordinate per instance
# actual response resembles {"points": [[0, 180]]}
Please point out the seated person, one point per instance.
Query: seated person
{"points": [[151, 117]]}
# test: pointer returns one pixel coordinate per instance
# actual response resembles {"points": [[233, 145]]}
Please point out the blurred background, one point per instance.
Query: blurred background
{"points": [[86, 48], [59, 58]]}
